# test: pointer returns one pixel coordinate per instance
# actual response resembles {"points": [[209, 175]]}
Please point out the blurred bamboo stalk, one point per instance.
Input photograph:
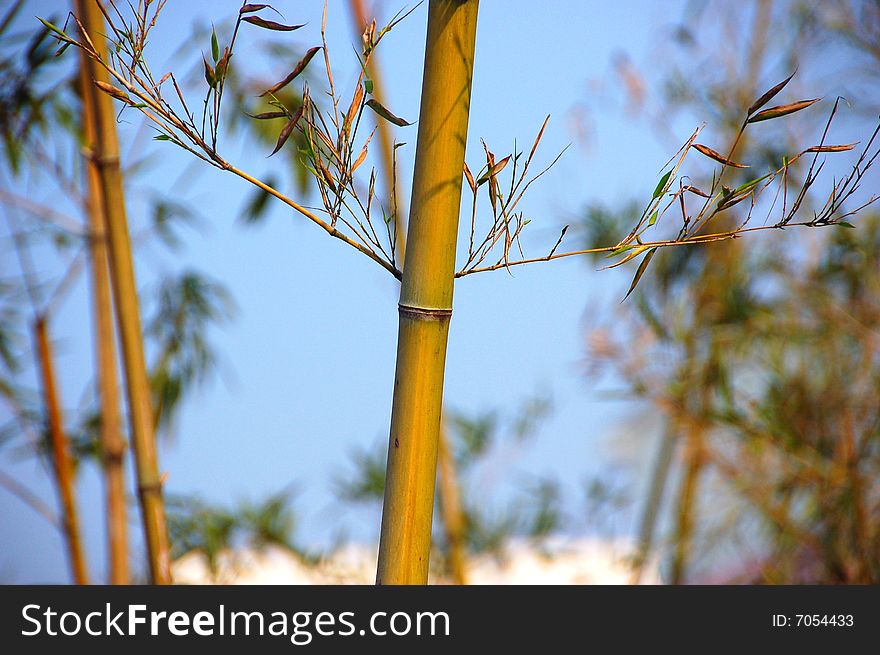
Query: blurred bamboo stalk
{"points": [[425, 306], [386, 140], [451, 509], [106, 160], [687, 504], [648, 521], [61, 460], [112, 443]]}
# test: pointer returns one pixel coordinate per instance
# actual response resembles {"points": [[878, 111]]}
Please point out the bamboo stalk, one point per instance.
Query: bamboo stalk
{"points": [[451, 510], [687, 502], [112, 443], [122, 276], [61, 460], [648, 521], [448, 494], [426, 293]]}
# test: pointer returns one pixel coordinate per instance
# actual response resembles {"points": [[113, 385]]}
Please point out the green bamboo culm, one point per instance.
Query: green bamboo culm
{"points": [[105, 156], [425, 307]]}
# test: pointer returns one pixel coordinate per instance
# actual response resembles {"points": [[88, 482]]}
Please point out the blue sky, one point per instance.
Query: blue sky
{"points": [[307, 366]]}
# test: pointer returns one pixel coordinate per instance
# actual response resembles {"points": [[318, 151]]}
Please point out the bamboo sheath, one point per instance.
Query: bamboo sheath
{"points": [[426, 293], [106, 158], [112, 443], [61, 460]]}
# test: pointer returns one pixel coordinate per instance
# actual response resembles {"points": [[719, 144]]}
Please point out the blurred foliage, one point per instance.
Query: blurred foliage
{"points": [[189, 304], [195, 525], [762, 359], [535, 511]]}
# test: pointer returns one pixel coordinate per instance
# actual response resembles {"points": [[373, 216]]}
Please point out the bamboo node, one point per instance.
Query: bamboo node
{"points": [[146, 489], [425, 313]]}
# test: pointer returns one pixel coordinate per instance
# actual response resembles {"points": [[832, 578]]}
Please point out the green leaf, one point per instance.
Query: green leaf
{"points": [[215, 47], [750, 185], [53, 28], [653, 219], [641, 271], [845, 224], [368, 86], [161, 137], [661, 185]]}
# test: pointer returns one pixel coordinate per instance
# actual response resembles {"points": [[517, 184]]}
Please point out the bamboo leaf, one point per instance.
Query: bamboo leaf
{"points": [[215, 47], [750, 185], [730, 200], [210, 76], [299, 68], [270, 24], [493, 170], [288, 129], [641, 271], [712, 154], [841, 148], [353, 109], [250, 8], [470, 178], [768, 96], [695, 191], [359, 160], [538, 138], [658, 191], [374, 104], [328, 178], [54, 28], [781, 110], [267, 115], [111, 90]]}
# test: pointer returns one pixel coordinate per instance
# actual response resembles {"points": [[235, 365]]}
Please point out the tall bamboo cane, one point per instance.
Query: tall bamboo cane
{"points": [[449, 498], [60, 455], [112, 443], [425, 306], [106, 158]]}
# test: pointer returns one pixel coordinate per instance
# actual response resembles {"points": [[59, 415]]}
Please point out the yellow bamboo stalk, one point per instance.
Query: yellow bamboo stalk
{"points": [[451, 509], [61, 461], [112, 443], [122, 276], [425, 306], [449, 497]]}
